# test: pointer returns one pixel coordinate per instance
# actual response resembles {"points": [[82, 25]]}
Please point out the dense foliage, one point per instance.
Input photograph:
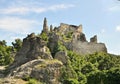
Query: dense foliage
{"points": [[17, 44], [97, 68], [44, 36], [7, 52]]}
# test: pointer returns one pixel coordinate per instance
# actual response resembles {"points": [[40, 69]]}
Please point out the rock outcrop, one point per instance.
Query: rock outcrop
{"points": [[47, 71], [62, 56], [35, 58], [33, 47], [38, 58]]}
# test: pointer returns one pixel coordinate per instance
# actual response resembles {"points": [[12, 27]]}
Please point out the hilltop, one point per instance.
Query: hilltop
{"points": [[62, 55]]}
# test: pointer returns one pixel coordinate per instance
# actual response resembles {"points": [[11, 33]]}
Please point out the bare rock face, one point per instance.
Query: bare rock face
{"points": [[12, 81], [47, 71], [33, 47], [62, 56], [34, 60]]}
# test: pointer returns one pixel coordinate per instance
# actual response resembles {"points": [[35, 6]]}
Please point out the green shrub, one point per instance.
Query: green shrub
{"points": [[17, 44], [82, 78], [59, 47], [69, 34], [26, 78], [33, 81], [5, 55], [68, 72], [44, 36], [70, 81]]}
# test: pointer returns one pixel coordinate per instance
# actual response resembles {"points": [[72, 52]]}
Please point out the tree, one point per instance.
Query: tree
{"points": [[3, 43], [17, 44], [5, 55]]}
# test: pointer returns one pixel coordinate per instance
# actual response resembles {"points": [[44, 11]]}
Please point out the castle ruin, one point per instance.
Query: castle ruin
{"points": [[78, 42]]}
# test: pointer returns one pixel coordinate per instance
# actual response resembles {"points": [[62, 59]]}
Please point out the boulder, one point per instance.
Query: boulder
{"points": [[47, 71]]}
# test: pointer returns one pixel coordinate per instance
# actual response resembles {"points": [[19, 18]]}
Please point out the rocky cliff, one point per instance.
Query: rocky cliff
{"points": [[37, 57]]}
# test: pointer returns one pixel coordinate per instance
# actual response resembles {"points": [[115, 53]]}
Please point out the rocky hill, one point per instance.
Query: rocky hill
{"points": [[43, 56]]}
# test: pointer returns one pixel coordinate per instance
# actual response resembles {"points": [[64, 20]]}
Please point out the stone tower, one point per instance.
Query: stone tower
{"points": [[51, 28], [45, 27], [93, 39]]}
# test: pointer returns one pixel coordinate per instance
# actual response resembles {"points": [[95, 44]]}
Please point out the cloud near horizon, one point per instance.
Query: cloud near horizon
{"points": [[17, 25]]}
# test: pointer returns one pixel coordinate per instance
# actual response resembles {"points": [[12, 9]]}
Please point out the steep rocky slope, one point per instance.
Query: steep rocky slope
{"points": [[43, 56]]}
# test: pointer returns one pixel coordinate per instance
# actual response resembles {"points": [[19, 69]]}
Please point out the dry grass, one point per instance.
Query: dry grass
{"points": [[48, 62], [12, 81]]}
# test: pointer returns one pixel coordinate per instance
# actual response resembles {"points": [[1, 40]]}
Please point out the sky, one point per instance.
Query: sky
{"points": [[18, 18]]}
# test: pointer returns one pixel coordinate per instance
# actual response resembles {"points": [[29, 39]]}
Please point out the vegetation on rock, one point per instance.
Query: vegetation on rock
{"points": [[35, 59], [44, 36], [17, 44]]}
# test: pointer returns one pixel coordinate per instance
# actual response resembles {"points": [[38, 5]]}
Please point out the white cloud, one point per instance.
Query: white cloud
{"points": [[118, 28], [27, 9], [60, 6], [20, 10], [114, 8], [17, 25]]}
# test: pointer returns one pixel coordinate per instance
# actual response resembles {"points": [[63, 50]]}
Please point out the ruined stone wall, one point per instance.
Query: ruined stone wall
{"points": [[79, 29], [79, 44], [65, 28], [86, 47]]}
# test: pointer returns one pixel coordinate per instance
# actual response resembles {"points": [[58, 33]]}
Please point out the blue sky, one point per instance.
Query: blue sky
{"points": [[98, 17]]}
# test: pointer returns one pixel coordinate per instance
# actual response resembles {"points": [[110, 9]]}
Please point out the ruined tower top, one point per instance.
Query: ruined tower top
{"points": [[45, 27], [80, 28], [51, 28]]}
